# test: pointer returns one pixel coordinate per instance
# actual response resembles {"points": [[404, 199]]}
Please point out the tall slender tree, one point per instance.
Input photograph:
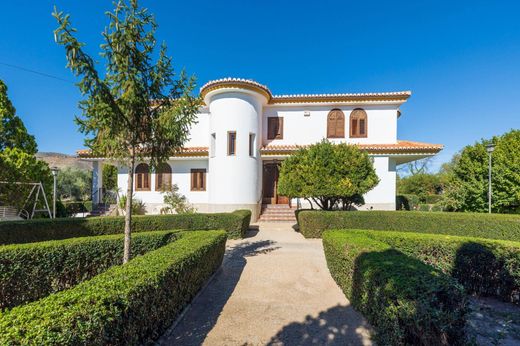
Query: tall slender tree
{"points": [[139, 110], [13, 133]]}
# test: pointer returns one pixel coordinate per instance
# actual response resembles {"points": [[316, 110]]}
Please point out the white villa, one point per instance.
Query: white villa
{"points": [[244, 132]]}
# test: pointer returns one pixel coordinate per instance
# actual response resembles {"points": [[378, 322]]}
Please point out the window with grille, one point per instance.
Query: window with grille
{"points": [[142, 177], [358, 123], [198, 179], [163, 177], [275, 128], [252, 144], [232, 143]]}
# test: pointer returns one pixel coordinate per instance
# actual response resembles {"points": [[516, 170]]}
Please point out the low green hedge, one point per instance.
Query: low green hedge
{"points": [[129, 304], [493, 226], [31, 271], [406, 301], [483, 266], [15, 232]]}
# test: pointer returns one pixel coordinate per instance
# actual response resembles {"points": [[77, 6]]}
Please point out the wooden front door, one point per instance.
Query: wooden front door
{"points": [[270, 185]]}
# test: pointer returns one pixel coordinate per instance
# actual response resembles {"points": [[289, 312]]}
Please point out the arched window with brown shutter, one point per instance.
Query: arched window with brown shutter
{"points": [[358, 123], [163, 177], [336, 124], [142, 177]]}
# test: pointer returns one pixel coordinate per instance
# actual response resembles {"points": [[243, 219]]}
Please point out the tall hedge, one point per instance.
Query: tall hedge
{"points": [[14, 232], [32, 271], [492, 226], [483, 266], [406, 301], [130, 304]]}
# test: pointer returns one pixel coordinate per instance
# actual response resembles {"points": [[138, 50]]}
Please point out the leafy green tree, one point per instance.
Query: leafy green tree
{"points": [[421, 185], [331, 175], [74, 184], [138, 110], [13, 133], [110, 177], [467, 188], [17, 165]]}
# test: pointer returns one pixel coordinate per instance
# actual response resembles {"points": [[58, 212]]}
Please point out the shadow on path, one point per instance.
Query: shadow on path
{"points": [[330, 327], [206, 308]]}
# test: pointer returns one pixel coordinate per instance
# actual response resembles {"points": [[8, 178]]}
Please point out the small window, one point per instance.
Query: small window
{"points": [[274, 128], [358, 123], [163, 177], [336, 124], [198, 179], [252, 145], [142, 177], [232, 143], [213, 143]]}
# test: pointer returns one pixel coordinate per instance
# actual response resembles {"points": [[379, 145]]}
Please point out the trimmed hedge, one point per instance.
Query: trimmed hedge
{"points": [[14, 232], [492, 226], [406, 301], [129, 304], [484, 267], [31, 271]]}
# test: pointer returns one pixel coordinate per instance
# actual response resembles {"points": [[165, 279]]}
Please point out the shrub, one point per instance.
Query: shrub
{"points": [[77, 207], [493, 226], [482, 266], [408, 302], [424, 207], [32, 271], [14, 232], [128, 304], [407, 202]]}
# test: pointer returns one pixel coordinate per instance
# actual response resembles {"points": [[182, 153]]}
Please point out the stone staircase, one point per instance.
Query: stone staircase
{"points": [[102, 209], [277, 212]]}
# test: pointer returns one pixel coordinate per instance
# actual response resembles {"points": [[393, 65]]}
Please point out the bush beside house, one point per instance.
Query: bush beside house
{"points": [[235, 224], [407, 301], [506, 227], [31, 271], [128, 304]]}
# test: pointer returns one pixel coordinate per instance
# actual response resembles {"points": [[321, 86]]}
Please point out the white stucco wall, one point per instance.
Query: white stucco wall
{"points": [[300, 129], [234, 179], [199, 132], [181, 175], [383, 195]]}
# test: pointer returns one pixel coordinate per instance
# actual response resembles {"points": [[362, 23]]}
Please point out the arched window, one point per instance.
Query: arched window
{"points": [[163, 177], [358, 123], [142, 177], [336, 124]]}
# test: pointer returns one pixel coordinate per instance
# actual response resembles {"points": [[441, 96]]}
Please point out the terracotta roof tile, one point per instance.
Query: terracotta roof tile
{"points": [[87, 153], [400, 146]]}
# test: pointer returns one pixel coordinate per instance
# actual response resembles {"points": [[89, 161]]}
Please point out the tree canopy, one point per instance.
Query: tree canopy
{"points": [[467, 187], [17, 165], [13, 133], [331, 175], [139, 109]]}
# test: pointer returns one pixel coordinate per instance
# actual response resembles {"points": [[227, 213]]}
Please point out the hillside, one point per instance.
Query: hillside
{"points": [[64, 161]]}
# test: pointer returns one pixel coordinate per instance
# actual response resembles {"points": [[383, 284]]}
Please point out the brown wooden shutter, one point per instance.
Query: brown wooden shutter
{"points": [[336, 124], [279, 129]]}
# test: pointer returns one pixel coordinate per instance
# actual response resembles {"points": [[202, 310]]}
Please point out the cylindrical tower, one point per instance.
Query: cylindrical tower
{"points": [[236, 108]]}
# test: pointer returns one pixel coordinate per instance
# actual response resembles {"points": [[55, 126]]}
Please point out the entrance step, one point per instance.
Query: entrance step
{"points": [[277, 212]]}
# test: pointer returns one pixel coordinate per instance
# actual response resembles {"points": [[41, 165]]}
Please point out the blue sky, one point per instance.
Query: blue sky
{"points": [[461, 59]]}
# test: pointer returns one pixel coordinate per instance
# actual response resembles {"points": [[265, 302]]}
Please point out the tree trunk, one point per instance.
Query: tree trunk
{"points": [[128, 210]]}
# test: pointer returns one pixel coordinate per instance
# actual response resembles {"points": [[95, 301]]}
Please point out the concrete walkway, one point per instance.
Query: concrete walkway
{"points": [[274, 288]]}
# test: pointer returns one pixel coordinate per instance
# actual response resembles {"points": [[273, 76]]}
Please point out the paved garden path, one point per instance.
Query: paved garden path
{"points": [[274, 288]]}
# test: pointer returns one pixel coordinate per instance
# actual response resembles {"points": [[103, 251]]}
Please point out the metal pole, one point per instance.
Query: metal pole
{"points": [[54, 198], [489, 183]]}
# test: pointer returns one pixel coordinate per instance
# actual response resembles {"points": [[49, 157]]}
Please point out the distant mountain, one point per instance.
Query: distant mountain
{"points": [[63, 161]]}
